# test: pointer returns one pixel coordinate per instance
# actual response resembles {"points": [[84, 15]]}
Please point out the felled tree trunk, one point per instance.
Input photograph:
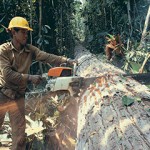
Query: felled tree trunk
{"points": [[101, 122], [104, 122]]}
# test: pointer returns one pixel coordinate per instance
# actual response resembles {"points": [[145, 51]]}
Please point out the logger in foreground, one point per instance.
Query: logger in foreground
{"points": [[15, 59]]}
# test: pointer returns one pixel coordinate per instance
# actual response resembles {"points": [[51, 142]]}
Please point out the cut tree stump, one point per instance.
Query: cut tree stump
{"points": [[104, 123]]}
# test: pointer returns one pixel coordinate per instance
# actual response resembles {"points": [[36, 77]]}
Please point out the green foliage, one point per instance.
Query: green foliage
{"points": [[135, 67], [1, 30], [134, 59], [103, 17], [44, 38], [127, 101], [63, 30]]}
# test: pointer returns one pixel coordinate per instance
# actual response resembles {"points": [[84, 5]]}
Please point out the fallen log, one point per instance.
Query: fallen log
{"points": [[112, 114]]}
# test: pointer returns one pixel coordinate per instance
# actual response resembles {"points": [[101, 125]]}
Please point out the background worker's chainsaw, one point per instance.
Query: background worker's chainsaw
{"points": [[64, 78]]}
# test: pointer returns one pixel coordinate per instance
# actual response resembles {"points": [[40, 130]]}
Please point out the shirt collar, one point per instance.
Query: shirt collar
{"points": [[24, 49]]}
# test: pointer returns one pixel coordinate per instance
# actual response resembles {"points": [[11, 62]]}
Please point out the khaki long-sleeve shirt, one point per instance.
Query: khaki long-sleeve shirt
{"points": [[14, 66]]}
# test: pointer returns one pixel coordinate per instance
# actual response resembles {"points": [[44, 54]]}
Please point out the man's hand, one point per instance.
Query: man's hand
{"points": [[72, 61], [35, 79]]}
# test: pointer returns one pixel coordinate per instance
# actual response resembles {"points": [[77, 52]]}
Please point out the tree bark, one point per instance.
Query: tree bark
{"points": [[104, 123], [40, 30], [31, 19], [129, 17]]}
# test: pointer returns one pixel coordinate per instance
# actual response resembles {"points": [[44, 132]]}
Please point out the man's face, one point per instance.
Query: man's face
{"points": [[21, 36]]}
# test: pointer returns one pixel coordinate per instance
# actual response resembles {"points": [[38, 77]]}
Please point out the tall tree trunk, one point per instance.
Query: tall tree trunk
{"points": [[31, 9], [40, 30], [129, 17], [61, 30], [143, 41]]}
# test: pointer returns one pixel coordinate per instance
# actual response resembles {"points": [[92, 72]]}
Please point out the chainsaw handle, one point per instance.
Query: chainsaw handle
{"points": [[63, 65], [74, 69]]}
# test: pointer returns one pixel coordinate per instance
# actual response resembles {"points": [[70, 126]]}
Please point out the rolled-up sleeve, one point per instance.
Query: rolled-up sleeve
{"points": [[46, 57], [7, 72]]}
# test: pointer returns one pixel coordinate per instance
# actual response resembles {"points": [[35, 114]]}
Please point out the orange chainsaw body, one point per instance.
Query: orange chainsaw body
{"points": [[60, 72]]}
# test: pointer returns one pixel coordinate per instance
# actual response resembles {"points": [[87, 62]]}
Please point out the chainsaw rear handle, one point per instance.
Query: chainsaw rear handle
{"points": [[75, 68]]}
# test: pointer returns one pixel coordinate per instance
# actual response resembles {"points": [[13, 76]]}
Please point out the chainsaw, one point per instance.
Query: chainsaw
{"points": [[65, 79]]}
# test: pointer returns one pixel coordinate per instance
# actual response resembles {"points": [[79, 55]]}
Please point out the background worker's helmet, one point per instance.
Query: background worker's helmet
{"points": [[19, 22]]}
